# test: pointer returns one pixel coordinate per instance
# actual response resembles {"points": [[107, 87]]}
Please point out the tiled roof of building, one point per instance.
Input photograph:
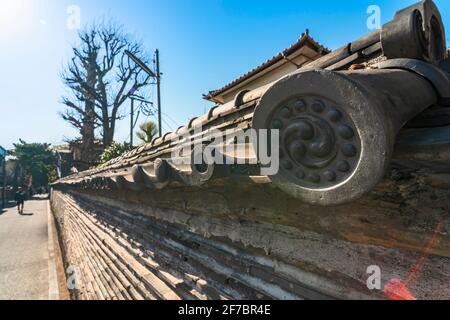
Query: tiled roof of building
{"points": [[302, 41]]}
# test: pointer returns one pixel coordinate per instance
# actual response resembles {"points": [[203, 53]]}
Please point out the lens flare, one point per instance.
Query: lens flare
{"points": [[16, 17]]}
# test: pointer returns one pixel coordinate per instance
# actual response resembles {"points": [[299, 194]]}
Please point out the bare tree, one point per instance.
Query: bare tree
{"points": [[100, 78]]}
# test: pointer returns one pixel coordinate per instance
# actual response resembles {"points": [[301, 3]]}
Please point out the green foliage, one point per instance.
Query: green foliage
{"points": [[37, 160], [114, 151], [52, 174], [148, 132]]}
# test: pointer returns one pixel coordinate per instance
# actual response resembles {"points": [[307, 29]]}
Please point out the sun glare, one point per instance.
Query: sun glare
{"points": [[15, 16]]}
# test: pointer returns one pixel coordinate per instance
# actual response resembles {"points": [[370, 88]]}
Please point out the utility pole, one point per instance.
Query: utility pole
{"points": [[156, 76], [132, 122], [158, 85]]}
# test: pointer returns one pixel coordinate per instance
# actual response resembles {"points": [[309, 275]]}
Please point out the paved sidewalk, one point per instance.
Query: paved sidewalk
{"points": [[27, 267]]}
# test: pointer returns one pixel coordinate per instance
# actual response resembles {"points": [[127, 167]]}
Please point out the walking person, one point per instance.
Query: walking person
{"points": [[20, 199]]}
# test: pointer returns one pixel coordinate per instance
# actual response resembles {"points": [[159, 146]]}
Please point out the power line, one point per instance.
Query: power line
{"points": [[168, 125], [171, 119], [143, 107], [155, 75]]}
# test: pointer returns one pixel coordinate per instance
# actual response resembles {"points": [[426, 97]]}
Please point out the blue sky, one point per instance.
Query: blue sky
{"points": [[204, 44]]}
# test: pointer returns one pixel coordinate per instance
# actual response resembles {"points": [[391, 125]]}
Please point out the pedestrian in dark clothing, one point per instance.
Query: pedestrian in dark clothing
{"points": [[20, 197]]}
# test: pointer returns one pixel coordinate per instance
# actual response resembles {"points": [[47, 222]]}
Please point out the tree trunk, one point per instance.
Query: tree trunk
{"points": [[88, 132], [108, 136]]}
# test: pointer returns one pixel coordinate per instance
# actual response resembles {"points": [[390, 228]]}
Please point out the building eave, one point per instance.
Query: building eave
{"points": [[305, 40]]}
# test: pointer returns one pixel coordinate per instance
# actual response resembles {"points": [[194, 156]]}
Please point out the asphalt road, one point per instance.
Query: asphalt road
{"points": [[24, 252]]}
